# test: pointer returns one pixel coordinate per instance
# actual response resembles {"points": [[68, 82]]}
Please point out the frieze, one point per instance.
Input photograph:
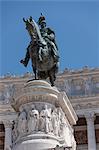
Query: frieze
{"points": [[35, 120], [85, 106]]}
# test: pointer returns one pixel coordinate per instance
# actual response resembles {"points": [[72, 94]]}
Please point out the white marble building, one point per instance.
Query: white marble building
{"points": [[82, 89]]}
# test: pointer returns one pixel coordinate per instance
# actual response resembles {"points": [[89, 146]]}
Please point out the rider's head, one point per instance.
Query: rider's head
{"points": [[42, 21], [43, 24]]}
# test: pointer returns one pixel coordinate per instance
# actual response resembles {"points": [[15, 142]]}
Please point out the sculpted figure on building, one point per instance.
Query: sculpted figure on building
{"points": [[45, 120], [22, 121], [33, 119], [55, 122]]}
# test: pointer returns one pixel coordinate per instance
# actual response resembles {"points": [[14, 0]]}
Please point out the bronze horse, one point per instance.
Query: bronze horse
{"points": [[47, 68]]}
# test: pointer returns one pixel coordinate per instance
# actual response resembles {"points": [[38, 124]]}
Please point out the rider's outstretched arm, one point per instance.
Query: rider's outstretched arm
{"points": [[26, 59]]}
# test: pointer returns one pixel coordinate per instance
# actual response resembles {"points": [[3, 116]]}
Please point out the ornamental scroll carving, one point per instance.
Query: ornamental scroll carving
{"points": [[33, 120]]}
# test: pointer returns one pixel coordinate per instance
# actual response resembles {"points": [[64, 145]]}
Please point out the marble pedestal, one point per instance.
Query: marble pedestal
{"points": [[45, 118]]}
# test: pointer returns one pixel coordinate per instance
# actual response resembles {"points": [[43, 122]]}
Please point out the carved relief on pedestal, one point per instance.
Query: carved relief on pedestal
{"points": [[45, 123], [36, 119], [33, 119], [22, 121], [55, 122]]}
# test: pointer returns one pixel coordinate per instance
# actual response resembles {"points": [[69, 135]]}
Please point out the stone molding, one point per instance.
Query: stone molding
{"points": [[35, 93], [67, 107]]}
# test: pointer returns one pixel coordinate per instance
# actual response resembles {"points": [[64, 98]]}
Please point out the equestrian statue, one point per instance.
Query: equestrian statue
{"points": [[42, 50]]}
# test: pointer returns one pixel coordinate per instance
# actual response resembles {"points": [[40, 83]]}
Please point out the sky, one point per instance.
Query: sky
{"points": [[75, 23]]}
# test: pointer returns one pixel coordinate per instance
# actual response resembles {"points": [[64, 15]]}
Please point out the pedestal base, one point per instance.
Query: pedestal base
{"points": [[45, 118], [37, 142]]}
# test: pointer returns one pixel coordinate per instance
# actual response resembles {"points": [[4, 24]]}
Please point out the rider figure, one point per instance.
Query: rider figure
{"points": [[49, 37]]}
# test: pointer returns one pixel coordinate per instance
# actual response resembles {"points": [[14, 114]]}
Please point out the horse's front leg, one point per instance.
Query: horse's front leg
{"points": [[35, 74], [34, 70]]}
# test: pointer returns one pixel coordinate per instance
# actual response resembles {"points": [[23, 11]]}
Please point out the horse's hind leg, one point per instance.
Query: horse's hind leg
{"points": [[51, 80], [51, 77]]}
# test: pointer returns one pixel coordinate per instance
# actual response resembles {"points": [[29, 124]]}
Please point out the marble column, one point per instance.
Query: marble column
{"points": [[8, 135], [90, 117]]}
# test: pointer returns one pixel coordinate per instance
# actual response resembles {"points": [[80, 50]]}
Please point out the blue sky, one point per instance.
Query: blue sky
{"points": [[76, 25]]}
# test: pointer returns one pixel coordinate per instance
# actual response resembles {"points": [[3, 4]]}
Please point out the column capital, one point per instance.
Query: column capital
{"points": [[7, 123], [90, 116]]}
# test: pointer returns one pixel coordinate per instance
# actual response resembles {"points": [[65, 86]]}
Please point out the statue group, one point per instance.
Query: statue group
{"points": [[42, 50], [32, 121]]}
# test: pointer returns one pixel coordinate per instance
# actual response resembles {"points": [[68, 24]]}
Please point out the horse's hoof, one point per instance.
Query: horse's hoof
{"points": [[52, 84]]}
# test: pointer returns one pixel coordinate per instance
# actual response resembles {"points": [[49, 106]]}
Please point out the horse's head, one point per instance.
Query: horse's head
{"points": [[30, 27]]}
